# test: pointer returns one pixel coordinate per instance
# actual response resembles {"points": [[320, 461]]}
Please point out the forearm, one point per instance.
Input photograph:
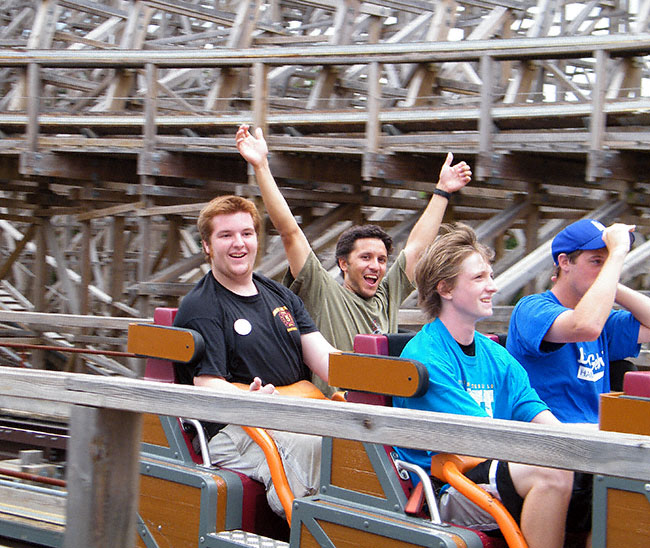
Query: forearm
{"points": [[635, 302], [215, 383], [594, 307], [295, 242], [424, 232], [276, 206], [316, 353], [545, 417]]}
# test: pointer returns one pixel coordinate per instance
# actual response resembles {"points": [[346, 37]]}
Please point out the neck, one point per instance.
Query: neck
{"points": [[565, 294], [243, 286], [460, 329]]}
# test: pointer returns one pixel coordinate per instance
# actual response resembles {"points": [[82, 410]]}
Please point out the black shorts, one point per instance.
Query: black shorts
{"points": [[579, 515]]}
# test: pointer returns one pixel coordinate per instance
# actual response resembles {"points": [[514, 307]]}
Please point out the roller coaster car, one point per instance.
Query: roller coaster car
{"points": [[623, 505], [364, 494], [183, 498]]}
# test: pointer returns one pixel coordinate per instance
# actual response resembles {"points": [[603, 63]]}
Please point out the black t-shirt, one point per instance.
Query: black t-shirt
{"points": [[246, 337]]}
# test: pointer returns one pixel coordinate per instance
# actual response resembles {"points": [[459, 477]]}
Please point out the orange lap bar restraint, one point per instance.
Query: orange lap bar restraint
{"points": [[451, 469], [261, 437]]}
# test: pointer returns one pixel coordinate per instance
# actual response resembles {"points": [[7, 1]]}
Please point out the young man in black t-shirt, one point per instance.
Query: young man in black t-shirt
{"points": [[256, 332]]}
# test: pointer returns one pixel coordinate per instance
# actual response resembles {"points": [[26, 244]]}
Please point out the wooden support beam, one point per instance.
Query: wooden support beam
{"points": [[103, 475], [597, 122], [86, 268], [18, 249], [486, 128]]}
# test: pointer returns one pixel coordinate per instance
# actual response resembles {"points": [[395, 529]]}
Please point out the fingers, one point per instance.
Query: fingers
{"points": [[448, 160], [618, 236], [255, 385], [463, 170], [258, 386]]}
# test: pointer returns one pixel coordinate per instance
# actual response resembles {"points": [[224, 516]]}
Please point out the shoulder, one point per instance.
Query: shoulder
{"points": [[535, 308], [312, 266], [427, 338], [201, 298], [312, 275], [268, 285], [533, 300]]}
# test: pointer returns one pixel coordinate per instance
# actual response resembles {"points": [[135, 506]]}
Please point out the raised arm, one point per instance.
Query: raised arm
{"points": [[255, 151], [451, 179], [586, 320], [639, 305]]}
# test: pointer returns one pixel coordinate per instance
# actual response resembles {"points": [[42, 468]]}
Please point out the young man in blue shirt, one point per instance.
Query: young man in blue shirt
{"points": [[469, 374], [566, 337]]}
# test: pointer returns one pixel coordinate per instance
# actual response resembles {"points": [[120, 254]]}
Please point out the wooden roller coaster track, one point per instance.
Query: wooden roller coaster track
{"points": [[117, 124]]}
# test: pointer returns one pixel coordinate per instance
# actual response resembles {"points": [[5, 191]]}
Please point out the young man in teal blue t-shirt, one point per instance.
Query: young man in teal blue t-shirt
{"points": [[470, 374]]}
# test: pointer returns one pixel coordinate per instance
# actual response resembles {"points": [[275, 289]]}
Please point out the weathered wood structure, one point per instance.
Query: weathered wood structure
{"points": [[117, 123], [102, 511]]}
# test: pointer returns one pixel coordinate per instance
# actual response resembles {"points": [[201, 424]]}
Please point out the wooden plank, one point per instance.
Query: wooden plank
{"points": [[33, 505], [20, 245], [561, 47], [69, 320], [103, 475], [561, 446]]}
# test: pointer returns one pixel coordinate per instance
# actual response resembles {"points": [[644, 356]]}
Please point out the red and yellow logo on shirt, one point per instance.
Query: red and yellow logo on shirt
{"points": [[286, 317]]}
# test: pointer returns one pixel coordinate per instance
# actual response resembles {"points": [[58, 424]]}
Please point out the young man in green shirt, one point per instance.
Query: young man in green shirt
{"points": [[370, 297]]}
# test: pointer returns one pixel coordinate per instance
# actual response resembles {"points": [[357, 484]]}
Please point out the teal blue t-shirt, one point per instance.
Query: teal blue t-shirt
{"points": [[489, 384]]}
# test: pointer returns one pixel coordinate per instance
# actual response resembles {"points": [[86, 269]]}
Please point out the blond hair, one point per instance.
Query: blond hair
{"points": [[441, 262]]}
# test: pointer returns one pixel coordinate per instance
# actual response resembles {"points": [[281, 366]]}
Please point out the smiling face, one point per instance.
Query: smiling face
{"points": [[232, 249], [364, 267], [470, 299]]}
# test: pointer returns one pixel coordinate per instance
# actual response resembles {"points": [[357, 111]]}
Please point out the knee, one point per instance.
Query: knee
{"points": [[559, 481]]}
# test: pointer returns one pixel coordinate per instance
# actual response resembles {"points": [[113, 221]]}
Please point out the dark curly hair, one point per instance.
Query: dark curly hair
{"points": [[345, 244]]}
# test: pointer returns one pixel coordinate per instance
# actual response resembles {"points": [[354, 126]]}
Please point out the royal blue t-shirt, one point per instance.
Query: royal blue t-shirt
{"points": [[569, 377]]}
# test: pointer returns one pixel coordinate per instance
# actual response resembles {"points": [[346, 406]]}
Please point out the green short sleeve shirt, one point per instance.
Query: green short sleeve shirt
{"points": [[341, 314]]}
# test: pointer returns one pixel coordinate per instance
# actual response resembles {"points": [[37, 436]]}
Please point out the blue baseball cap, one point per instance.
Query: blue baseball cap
{"points": [[581, 235]]}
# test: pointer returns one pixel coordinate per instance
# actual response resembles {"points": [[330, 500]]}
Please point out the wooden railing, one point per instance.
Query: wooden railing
{"points": [[105, 425]]}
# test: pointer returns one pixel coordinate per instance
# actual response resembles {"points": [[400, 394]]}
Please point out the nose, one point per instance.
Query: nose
{"points": [[238, 239], [492, 286]]}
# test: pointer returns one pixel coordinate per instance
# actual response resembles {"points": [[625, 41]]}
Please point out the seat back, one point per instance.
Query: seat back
{"points": [[364, 467], [156, 369]]}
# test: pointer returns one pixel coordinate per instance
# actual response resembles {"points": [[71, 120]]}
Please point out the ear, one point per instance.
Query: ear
{"points": [[444, 289], [206, 247], [343, 264], [563, 261]]}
